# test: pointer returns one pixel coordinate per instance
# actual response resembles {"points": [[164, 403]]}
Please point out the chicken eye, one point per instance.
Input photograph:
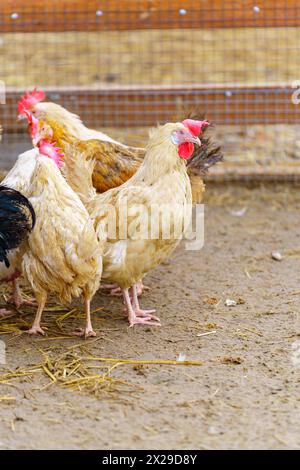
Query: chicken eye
{"points": [[175, 137]]}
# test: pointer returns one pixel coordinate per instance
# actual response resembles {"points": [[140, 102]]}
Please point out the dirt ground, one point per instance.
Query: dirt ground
{"points": [[244, 396]]}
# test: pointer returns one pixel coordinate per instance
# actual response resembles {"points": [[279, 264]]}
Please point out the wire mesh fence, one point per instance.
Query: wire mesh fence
{"points": [[126, 65]]}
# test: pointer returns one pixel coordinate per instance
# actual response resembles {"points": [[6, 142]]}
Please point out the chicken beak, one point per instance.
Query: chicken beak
{"points": [[197, 141]]}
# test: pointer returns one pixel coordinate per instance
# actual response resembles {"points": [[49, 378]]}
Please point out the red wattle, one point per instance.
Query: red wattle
{"points": [[186, 150]]}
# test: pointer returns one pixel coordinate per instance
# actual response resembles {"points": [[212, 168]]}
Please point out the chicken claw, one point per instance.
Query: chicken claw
{"points": [[146, 313], [36, 326], [84, 333], [142, 313], [115, 290], [143, 321], [17, 300], [139, 312], [88, 331], [4, 313], [137, 316], [35, 330]]}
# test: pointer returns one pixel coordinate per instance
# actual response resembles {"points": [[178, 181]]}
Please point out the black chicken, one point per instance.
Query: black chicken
{"points": [[17, 219]]}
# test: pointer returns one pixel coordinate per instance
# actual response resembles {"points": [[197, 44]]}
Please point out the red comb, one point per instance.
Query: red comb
{"points": [[195, 127], [29, 100]]}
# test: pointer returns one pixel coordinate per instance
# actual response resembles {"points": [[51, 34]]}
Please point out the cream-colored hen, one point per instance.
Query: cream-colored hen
{"points": [[64, 256], [160, 182]]}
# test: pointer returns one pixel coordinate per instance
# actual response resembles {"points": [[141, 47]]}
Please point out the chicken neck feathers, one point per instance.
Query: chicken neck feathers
{"points": [[114, 163]]}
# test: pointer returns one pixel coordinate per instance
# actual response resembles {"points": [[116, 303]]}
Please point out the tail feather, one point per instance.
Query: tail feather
{"points": [[205, 156], [17, 219]]}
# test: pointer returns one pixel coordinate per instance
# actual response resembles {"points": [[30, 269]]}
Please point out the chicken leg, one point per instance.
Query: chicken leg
{"points": [[136, 305], [88, 331], [140, 318], [36, 326]]}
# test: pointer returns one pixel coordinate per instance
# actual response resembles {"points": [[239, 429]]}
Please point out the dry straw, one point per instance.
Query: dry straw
{"points": [[76, 368]]}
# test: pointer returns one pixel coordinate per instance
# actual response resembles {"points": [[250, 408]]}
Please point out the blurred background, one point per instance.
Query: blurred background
{"points": [[126, 65]]}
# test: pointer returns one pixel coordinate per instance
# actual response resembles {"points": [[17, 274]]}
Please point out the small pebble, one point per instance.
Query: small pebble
{"points": [[239, 213], [213, 431], [181, 357], [230, 303], [276, 255]]}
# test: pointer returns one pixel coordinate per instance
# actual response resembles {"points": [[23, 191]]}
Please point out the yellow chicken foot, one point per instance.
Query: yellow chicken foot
{"points": [[36, 326], [88, 331], [133, 318], [17, 299]]}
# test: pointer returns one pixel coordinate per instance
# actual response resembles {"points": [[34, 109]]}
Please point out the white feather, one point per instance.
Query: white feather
{"points": [[118, 252]]}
